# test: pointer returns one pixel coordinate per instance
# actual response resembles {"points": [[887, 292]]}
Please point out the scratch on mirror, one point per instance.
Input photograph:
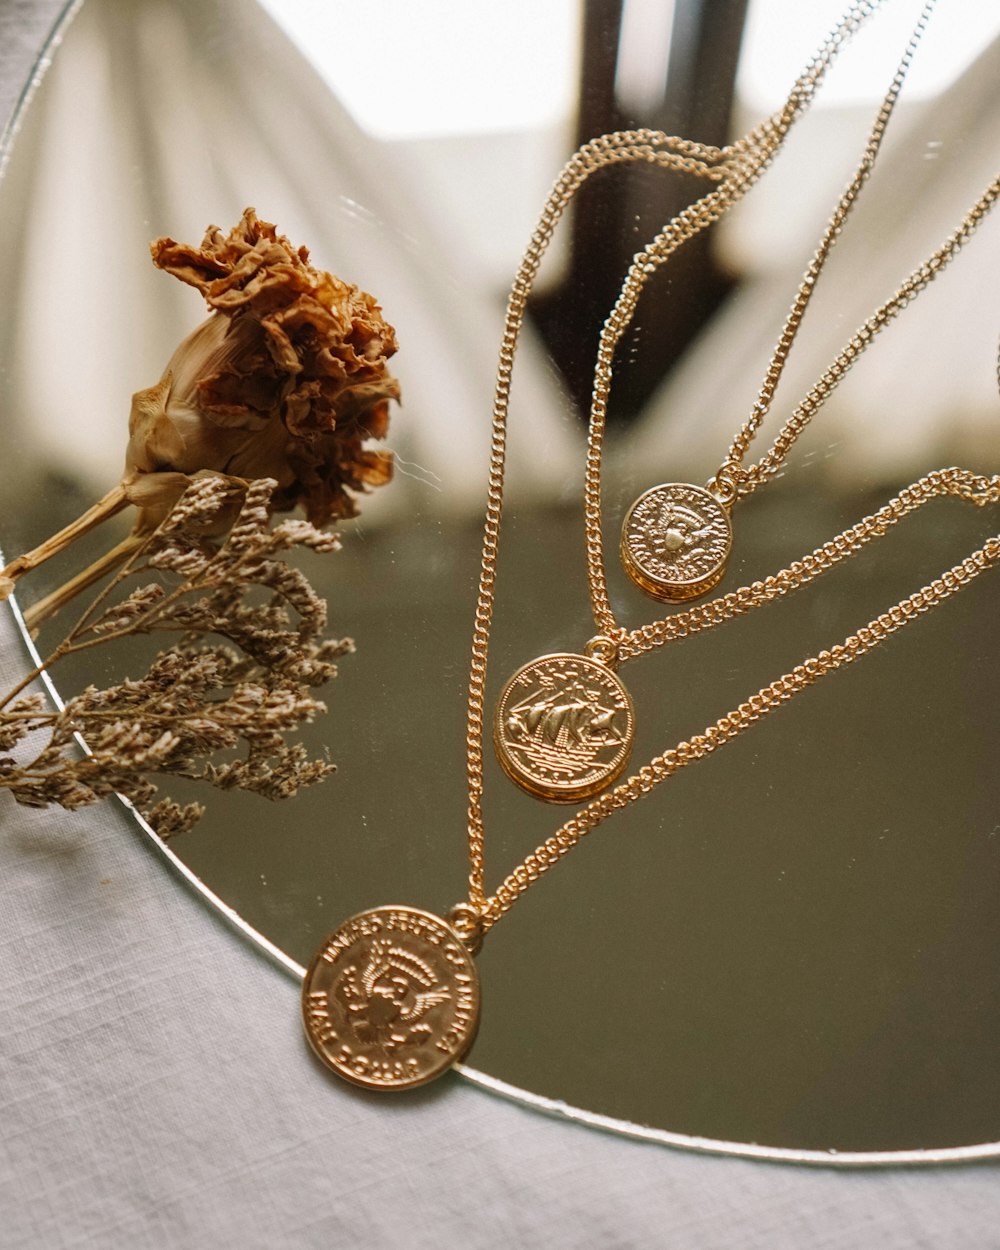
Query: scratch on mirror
{"points": [[421, 475]]}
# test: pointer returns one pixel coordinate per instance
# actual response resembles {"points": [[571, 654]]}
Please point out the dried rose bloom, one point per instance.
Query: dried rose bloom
{"points": [[287, 379]]}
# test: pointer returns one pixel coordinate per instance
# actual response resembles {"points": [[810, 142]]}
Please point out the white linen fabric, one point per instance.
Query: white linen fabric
{"points": [[155, 1090]]}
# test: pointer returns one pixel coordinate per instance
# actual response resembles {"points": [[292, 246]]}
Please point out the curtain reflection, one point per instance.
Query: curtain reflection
{"points": [[159, 118], [162, 117]]}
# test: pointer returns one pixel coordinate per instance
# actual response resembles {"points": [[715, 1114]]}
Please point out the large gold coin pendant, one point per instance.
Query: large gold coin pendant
{"points": [[676, 540], [563, 727], [391, 998]]}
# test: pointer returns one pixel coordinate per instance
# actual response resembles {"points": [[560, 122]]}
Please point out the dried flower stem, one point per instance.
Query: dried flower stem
{"points": [[113, 502], [69, 644], [40, 612]]}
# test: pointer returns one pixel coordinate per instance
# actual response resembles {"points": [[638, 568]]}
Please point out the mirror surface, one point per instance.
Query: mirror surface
{"points": [[793, 942]]}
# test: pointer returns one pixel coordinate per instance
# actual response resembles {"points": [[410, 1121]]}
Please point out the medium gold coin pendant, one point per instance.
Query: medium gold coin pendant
{"points": [[563, 727], [676, 540], [391, 998]]}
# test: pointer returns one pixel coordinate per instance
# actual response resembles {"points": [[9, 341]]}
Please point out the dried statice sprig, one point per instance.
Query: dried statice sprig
{"points": [[218, 704]]}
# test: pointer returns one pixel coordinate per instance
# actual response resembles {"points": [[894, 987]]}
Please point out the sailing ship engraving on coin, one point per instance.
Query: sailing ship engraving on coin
{"points": [[391, 998], [563, 727], [676, 540]]}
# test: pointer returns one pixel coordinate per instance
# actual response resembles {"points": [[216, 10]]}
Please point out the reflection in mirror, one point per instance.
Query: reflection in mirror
{"points": [[794, 942]]}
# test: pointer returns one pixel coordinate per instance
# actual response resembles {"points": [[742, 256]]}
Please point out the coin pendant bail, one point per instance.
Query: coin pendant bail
{"points": [[563, 727], [676, 540], [604, 649], [467, 921], [391, 999]]}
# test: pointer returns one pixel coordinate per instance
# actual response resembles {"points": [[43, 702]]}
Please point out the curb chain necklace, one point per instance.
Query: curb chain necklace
{"points": [[391, 998], [676, 538], [564, 723]]}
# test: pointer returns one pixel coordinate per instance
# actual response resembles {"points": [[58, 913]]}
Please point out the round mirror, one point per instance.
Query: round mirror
{"points": [[790, 947]]}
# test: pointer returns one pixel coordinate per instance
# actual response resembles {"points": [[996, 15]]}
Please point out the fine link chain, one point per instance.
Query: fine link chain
{"points": [[958, 483], [645, 145], [765, 397], [735, 167], [697, 217], [751, 477], [730, 726]]}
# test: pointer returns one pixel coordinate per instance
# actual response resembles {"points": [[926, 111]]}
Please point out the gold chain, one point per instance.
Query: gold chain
{"points": [[734, 168], [344, 1031], [730, 726], [732, 479], [924, 274], [762, 405]]}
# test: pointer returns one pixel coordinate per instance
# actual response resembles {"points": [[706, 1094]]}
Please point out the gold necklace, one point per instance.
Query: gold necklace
{"points": [[391, 998], [676, 538], [564, 723]]}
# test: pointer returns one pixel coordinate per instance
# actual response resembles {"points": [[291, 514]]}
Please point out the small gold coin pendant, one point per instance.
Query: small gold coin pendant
{"points": [[391, 998], [563, 727], [676, 540]]}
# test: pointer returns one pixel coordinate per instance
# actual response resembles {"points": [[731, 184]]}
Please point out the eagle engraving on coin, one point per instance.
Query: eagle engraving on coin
{"points": [[676, 540], [563, 727], [391, 998], [387, 995]]}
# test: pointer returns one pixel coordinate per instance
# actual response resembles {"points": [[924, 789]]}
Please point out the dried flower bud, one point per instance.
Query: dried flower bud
{"points": [[15, 722], [286, 379]]}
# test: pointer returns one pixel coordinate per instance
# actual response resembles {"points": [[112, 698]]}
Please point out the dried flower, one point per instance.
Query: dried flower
{"points": [[286, 379], [206, 710]]}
